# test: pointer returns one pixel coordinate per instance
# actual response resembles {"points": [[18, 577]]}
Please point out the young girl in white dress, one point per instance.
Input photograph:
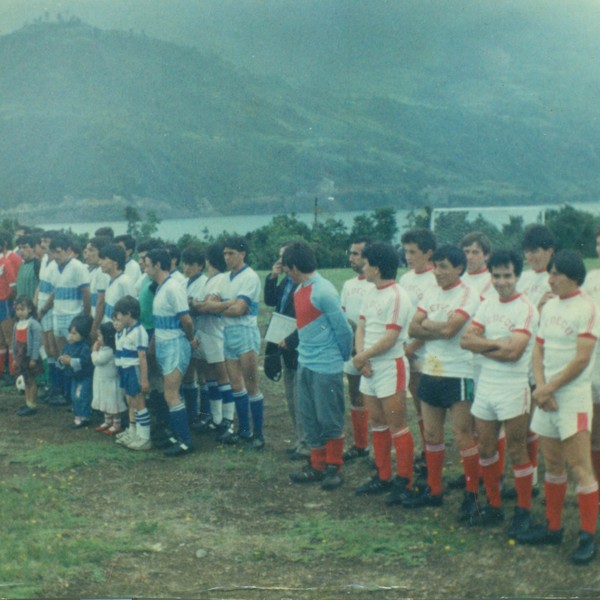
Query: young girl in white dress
{"points": [[108, 395]]}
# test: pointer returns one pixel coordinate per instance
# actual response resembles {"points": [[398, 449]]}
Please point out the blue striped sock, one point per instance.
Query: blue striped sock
{"points": [[242, 408], [257, 410], [142, 421], [204, 400], [228, 403], [190, 395], [216, 404], [179, 423]]}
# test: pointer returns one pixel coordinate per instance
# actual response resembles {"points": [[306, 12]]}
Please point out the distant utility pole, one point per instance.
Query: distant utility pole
{"points": [[316, 210]]}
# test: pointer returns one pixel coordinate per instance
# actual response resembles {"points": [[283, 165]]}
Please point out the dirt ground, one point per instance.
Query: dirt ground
{"points": [[215, 527]]}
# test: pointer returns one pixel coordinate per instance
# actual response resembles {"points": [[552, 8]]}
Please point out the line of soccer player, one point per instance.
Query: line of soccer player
{"points": [[507, 355], [469, 334]]}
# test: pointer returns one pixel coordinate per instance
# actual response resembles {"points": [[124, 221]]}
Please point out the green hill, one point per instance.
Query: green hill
{"points": [[96, 116]]}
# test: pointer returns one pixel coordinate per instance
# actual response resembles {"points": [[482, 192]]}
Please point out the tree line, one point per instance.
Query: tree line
{"points": [[573, 229]]}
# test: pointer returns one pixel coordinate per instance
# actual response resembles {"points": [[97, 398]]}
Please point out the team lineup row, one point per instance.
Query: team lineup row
{"points": [[463, 330], [473, 339]]}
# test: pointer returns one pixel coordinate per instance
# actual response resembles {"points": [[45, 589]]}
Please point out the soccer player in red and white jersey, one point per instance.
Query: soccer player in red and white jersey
{"points": [[353, 292], [538, 246], [477, 248], [563, 359], [380, 336], [592, 288], [418, 245], [502, 333], [9, 266], [446, 384]]}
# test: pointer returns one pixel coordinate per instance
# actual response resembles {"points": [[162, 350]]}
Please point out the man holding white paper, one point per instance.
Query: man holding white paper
{"points": [[280, 295]]}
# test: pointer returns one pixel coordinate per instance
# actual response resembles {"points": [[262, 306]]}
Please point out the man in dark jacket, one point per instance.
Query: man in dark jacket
{"points": [[280, 295]]}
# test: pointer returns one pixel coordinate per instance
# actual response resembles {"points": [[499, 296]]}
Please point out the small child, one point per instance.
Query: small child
{"points": [[27, 340], [77, 361], [132, 344], [108, 396]]}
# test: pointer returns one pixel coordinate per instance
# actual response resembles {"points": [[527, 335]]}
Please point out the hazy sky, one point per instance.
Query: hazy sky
{"points": [[444, 47]]}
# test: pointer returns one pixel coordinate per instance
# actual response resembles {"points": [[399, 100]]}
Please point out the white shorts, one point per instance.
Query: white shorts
{"points": [[389, 377], [567, 420], [501, 402], [210, 349], [240, 340], [350, 369], [47, 322]]}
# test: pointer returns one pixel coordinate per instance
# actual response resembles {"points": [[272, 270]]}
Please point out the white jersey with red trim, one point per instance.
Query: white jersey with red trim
{"points": [[482, 282], [416, 283], [563, 321], [353, 292], [591, 287], [499, 319], [384, 308], [445, 358], [534, 285]]}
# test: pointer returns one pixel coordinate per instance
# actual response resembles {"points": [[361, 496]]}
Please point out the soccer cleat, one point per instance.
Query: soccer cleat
{"points": [[124, 436], [203, 425], [307, 475], [232, 439], [354, 452], [80, 424], [26, 411], [421, 498], [138, 443], [541, 535], [374, 486], [332, 478], [586, 550], [256, 442], [488, 516], [469, 508], [224, 429], [178, 449], [520, 522], [399, 491]]}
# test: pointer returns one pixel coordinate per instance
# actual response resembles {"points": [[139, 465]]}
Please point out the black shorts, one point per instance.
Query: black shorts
{"points": [[443, 392]]}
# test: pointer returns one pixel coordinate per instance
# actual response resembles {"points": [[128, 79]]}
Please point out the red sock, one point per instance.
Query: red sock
{"points": [[491, 478], [317, 458], [501, 447], [405, 452], [470, 460], [587, 499], [434, 457], [533, 443], [596, 463], [382, 448], [523, 484], [556, 488], [334, 450], [360, 426]]}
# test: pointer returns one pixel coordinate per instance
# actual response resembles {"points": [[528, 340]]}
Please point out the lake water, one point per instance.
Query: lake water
{"points": [[173, 229]]}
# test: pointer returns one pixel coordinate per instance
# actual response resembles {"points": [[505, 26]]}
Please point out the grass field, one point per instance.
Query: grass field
{"points": [[82, 517]]}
